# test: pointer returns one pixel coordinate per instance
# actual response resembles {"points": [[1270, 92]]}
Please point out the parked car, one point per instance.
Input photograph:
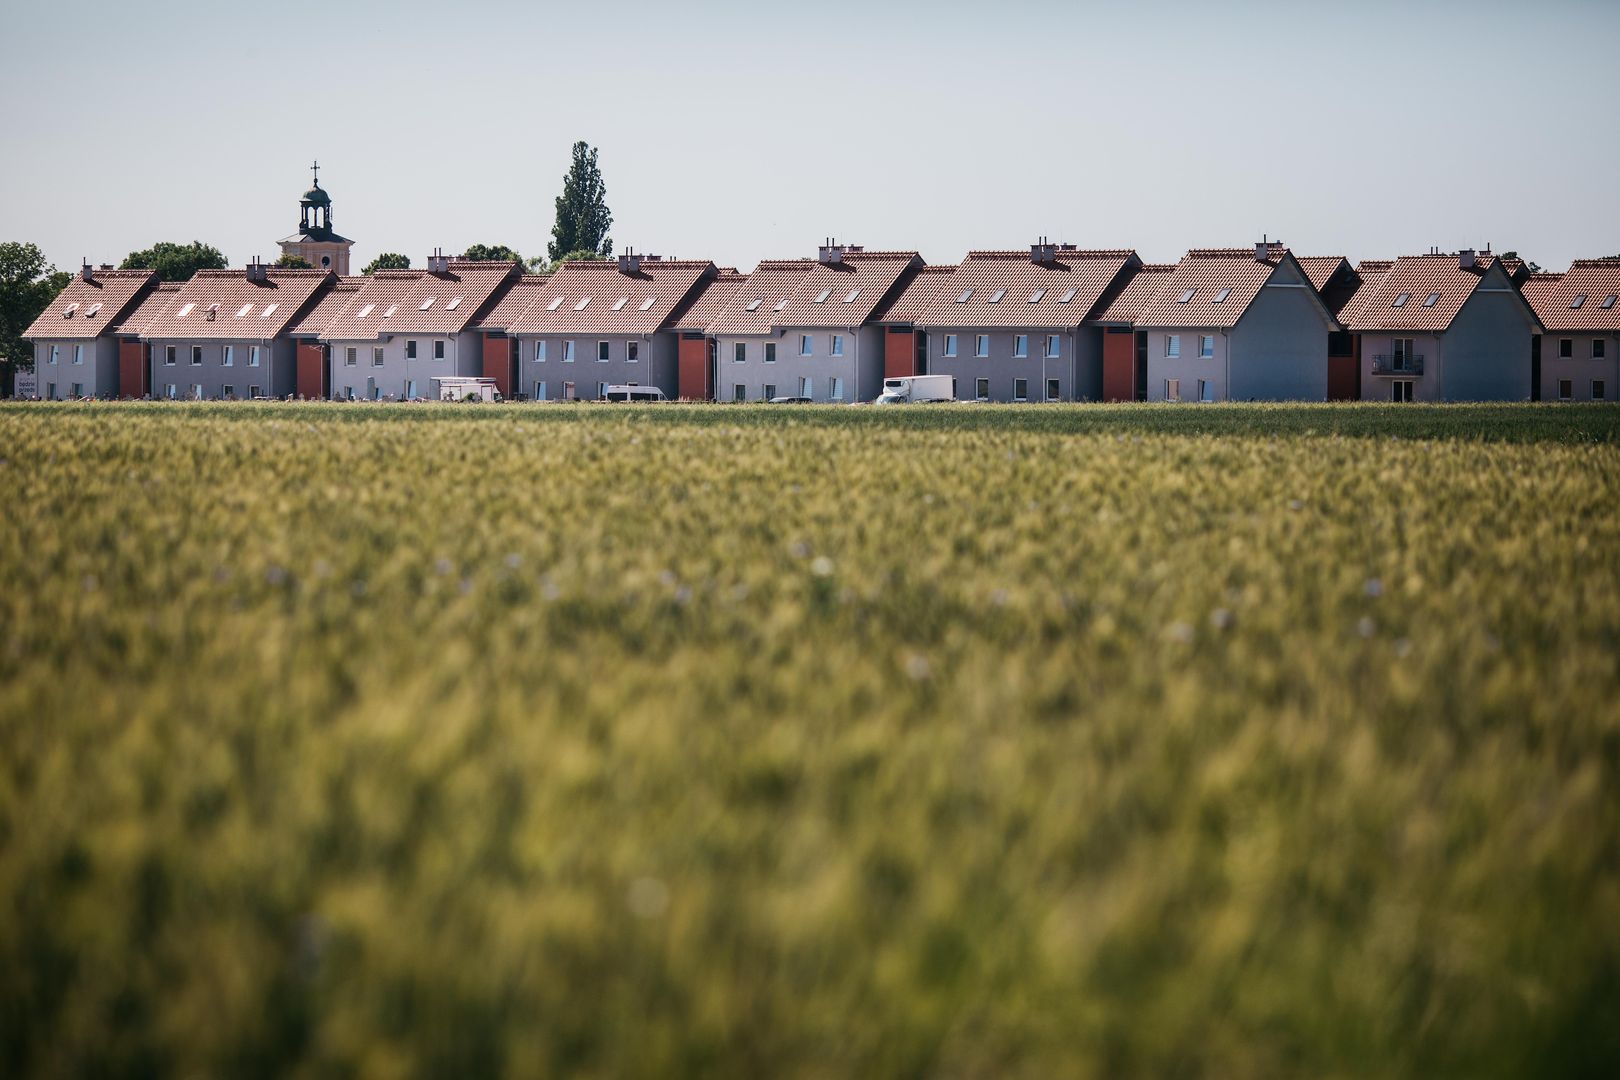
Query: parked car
{"points": [[791, 400], [632, 392]]}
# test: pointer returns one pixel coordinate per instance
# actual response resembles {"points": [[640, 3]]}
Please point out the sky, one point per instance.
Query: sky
{"points": [[742, 131]]}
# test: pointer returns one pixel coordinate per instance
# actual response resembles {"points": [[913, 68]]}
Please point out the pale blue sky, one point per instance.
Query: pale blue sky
{"points": [[740, 131]]}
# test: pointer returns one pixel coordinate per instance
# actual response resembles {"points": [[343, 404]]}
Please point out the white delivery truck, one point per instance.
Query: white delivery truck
{"points": [[466, 388], [914, 389]]}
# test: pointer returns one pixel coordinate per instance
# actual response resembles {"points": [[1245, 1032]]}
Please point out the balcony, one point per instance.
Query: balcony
{"points": [[1398, 365]]}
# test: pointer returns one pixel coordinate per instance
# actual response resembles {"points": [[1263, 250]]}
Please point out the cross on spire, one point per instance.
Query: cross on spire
{"points": [[315, 167]]}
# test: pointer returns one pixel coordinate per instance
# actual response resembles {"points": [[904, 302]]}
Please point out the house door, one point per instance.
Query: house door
{"points": [[1141, 365], [1403, 354], [1535, 367]]}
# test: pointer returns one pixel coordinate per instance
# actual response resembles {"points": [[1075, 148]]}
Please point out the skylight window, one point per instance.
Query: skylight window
{"points": [[1400, 301], [1220, 297], [583, 304], [389, 314], [782, 303], [853, 293], [995, 297], [363, 312], [1186, 296], [91, 310], [1035, 297], [67, 312], [1432, 299], [427, 303], [1068, 296], [821, 297], [555, 304], [452, 305], [1608, 302], [243, 310], [964, 297], [185, 309], [618, 305], [753, 305], [1577, 302], [646, 305], [268, 311]]}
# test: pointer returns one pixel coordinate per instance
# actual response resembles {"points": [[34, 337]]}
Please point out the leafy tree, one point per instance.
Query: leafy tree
{"points": [[1533, 267], [289, 261], [388, 260], [541, 266], [176, 262], [491, 252], [583, 219], [27, 284]]}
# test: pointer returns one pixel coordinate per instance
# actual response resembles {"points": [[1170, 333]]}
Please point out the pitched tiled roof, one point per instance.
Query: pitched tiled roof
{"points": [[87, 309], [516, 300], [154, 304], [421, 302], [1417, 278], [1128, 306], [1218, 285], [594, 297], [1598, 280], [1369, 273], [226, 304], [1321, 268], [845, 293], [709, 299], [771, 283], [321, 314], [1007, 288], [914, 299]]}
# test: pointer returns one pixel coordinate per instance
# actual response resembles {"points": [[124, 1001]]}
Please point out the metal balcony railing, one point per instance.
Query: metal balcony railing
{"points": [[1398, 365]]}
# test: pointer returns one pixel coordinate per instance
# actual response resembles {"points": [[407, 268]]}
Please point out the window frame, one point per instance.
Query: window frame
{"points": [[1172, 346], [1206, 346], [1020, 384], [171, 355], [1599, 349], [253, 356], [1566, 389], [1054, 346], [770, 352], [739, 392], [1020, 346], [981, 346], [351, 356], [1054, 389], [378, 356], [438, 348], [410, 348], [604, 351], [1599, 389], [227, 356], [981, 388], [835, 344], [568, 351], [835, 388], [1172, 389], [948, 346], [196, 356], [1566, 348], [739, 352], [806, 345]]}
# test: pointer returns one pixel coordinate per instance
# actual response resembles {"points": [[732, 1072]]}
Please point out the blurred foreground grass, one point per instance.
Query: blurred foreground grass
{"points": [[339, 740]]}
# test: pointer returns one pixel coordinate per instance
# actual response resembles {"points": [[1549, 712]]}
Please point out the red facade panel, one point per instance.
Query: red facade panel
{"points": [[132, 370], [311, 365], [692, 372], [498, 362], [1119, 366], [899, 353]]}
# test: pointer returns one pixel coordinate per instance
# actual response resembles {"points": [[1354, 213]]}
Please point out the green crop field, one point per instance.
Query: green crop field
{"points": [[344, 740]]}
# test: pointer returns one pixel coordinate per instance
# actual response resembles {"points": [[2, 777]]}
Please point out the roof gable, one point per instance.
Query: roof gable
{"points": [[88, 308], [1422, 293], [1585, 298], [1213, 287]]}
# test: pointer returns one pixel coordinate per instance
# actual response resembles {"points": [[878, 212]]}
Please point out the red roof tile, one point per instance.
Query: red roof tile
{"points": [[1417, 278], [1321, 268], [1213, 287], [751, 310], [154, 304], [1128, 306], [845, 293], [87, 309], [1007, 288], [918, 294], [422, 302], [1553, 297], [226, 304], [326, 309], [594, 297], [709, 299], [511, 306]]}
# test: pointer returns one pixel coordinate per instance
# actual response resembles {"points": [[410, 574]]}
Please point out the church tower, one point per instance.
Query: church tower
{"points": [[315, 242]]}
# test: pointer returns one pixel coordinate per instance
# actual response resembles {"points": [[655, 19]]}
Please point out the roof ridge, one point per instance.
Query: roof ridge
{"points": [[1605, 262]]}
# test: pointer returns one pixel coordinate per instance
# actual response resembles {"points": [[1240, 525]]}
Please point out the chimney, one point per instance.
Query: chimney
{"points": [[438, 262], [1465, 259], [106, 266], [84, 271], [1042, 252], [831, 253], [257, 271], [1262, 250], [629, 262]]}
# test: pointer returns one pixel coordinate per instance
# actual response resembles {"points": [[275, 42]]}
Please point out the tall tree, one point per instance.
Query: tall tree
{"points": [[289, 261], [1533, 267], [583, 219], [491, 253], [27, 284], [388, 260], [176, 262]]}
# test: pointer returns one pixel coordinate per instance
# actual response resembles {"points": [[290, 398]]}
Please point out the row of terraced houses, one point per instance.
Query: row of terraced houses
{"points": [[1050, 323]]}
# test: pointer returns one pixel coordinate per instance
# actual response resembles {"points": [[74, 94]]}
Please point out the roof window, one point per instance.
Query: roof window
{"points": [[995, 297], [1432, 299], [1221, 296], [363, 312], [583, 304], [185, 309], [1068, 296], [91, 310], [1400, 301], [1186, 296], [853, 293], [1577, 302], [67, 312], [646, 305], [821, 297], [389, 314], [268, 311], [555, 304], [427, 303], [1608, 302], [618, 305], [452, 305], [753, 305], [1035, 297], [243, 310], [964, 297], [782, 303]]}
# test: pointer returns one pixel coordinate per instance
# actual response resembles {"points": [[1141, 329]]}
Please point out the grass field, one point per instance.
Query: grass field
{"points": [[737, 741]]}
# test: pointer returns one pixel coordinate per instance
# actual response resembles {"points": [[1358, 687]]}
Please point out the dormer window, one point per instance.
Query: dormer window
{"points": [[268, 311], [618, 305], [67, 312], [646, 305], [853, 293], [1068, 296], [389, 314], [782, 303], [452, 305], [90, 311]]}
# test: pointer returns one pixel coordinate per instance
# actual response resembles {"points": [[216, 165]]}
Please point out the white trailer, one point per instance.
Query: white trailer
{"points": [[466, 388], [914, 389]]}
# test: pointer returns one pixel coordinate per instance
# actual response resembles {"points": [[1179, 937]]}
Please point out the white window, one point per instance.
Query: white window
{"points": [[602, 352], [981, 345], [739, 392], [1566, 389], [50, 391], [196, 356], [1020, 389], [1206, 346], [950, 345], [410, 348], [1206, 390], [739, 353], [376, 356], [1054, 346], [1172, 345], [438, 349], [1035, 297], [821, 297], [1020, 345], [995, 297], [196, 391], [255, 392], [540, 352], [1054, 392], [632, 351], [168, 357], [1172, 389], [981, 389], [78, 354], [253, 356], [568, 352], [1186, 296], [410, 389], [805, 346], [835, 389], [568, 390], [770, 352], [838, 345], [171, 392], [805, 389], [540, 390], [229, 391], [76, 390], [351, 356], [1400, 390], [228, 356], [55, 350], [770, 392]]}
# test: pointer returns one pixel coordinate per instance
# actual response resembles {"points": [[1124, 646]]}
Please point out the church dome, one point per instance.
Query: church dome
{"points": [[316, 196]]}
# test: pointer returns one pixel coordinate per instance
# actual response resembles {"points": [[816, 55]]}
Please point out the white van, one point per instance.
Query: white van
{"points": [[914, 389], [632, 392], [466, 388]]}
